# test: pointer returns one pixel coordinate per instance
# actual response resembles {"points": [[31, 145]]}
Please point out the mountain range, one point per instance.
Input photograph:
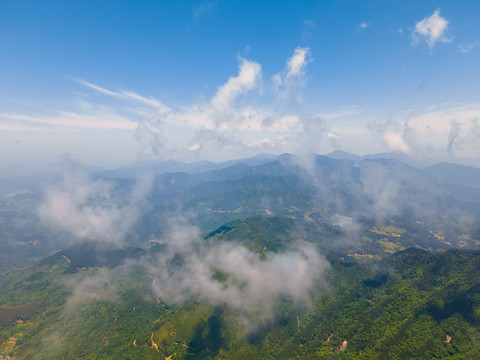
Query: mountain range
{"points": [[271, 257]]}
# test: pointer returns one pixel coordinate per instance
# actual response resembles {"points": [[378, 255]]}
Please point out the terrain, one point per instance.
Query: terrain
{"points": [[265, 258]]}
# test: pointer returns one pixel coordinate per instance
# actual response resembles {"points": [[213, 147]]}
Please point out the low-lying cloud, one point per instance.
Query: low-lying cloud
{"points": [[88, 209], [192, 269], [227, 273]]}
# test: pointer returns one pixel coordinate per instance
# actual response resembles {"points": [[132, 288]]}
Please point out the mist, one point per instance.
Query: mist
{"points": [[90, 209], [227, 273]]}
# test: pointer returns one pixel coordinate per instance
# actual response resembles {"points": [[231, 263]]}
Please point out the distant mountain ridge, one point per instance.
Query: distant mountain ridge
{"points": [[454, 174], [398, 244], [158, 167], [284, 185], [172, 166]]}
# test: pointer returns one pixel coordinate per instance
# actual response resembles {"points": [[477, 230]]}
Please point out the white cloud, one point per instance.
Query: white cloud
{"points": [[247, 79], [261, 143], [222, 127], [395, 141], [333, 136], [87, 208], [362, 25], [297, 63], [194, 147], [286, 124], [451, 130], [220, 124], [253, 285], [432, 29], [289, 83], [230, 124], [447, 132]]}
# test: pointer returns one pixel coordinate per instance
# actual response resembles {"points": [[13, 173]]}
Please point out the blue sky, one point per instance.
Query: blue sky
{"points": [[112, 82]]}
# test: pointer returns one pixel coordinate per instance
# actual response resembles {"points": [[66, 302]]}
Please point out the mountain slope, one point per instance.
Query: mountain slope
{"points": [[414, 304]]}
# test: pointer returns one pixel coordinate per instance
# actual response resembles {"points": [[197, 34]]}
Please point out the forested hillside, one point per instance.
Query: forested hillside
{"points": [[343, 258], [411, 304]]}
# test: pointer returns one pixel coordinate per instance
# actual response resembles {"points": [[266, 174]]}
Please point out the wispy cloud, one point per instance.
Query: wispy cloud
{"points": [[126, 95], [467, 47], [363, 25], [456, 129], [310, 23], [345, 112], [103, 119], [432, 29], [439, 119], [308, 27], [204, 8]]}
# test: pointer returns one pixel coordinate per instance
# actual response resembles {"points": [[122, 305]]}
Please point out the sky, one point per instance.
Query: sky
{"points": [[110, 83]]}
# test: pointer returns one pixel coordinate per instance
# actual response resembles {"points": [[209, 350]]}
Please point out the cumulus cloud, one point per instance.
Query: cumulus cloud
{"points": [[88, 209], [288, 83], [296, 64], [395, 141], [225, 127], [221, 124], [231, 123], [247, 79], [432, 29], [214, 126]]}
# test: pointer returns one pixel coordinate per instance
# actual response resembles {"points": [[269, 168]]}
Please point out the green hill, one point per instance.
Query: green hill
{"points": [[409, 304]]}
